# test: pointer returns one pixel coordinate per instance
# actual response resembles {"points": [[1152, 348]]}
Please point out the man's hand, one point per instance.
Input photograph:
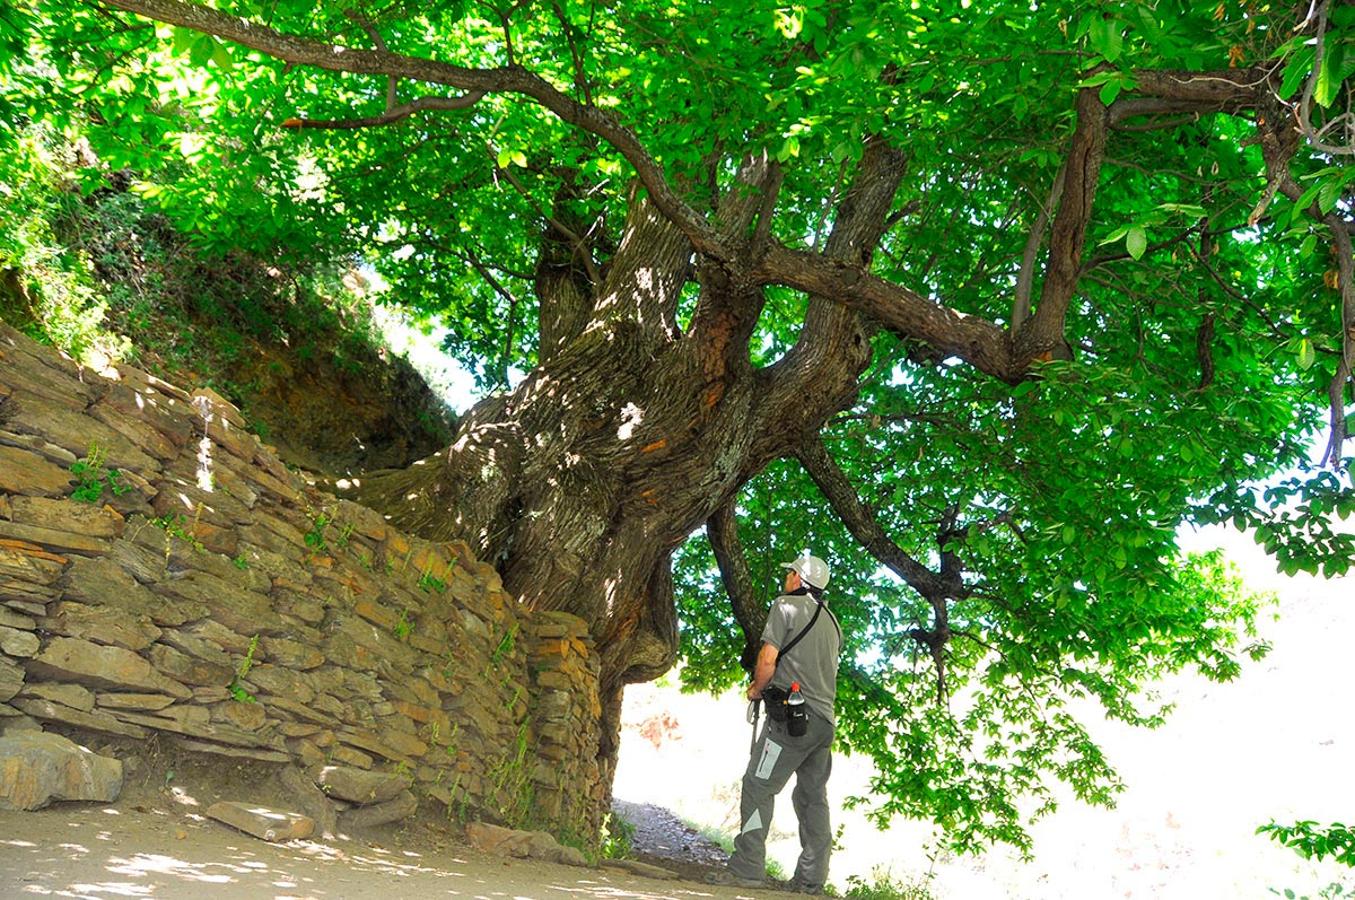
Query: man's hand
{"points": [[754, 692]]}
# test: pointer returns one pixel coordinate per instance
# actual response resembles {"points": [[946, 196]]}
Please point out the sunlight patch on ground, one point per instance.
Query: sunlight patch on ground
{"points": [[143, 864], [106, 888]]}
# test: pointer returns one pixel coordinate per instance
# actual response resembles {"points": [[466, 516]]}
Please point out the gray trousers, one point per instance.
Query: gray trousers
{"points": [[776, 757]]}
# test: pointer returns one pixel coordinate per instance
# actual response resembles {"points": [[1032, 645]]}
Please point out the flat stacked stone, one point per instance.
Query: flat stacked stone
{"points": [[220, 601]]}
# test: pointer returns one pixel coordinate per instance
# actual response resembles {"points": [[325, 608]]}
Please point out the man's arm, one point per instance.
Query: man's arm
{"points": [[763, 670]]}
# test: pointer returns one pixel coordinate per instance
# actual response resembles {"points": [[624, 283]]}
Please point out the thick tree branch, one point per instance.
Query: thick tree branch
{"points": [[861, 521], [726, 312], [818, 376], [722, 529], [865, 528], [1181, 112], [1025, 280], [970, 338], [511, 79], [1042, 334], [644, 278], [1222, 90]]}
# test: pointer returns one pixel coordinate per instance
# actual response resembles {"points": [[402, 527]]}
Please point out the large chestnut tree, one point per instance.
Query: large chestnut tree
{"points": [[983, 301]]}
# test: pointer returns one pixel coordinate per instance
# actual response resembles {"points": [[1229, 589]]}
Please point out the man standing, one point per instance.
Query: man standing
{"points": [[800, 645]]}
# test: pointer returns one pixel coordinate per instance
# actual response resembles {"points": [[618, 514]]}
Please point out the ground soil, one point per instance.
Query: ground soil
{"points": [[168, 849], [156, 842]]}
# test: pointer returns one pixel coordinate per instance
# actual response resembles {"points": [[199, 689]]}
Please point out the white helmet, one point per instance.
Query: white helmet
{"points": [[812, 570]]}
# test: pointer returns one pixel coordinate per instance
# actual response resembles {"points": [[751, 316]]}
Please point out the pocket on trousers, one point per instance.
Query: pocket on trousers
{"points": [[771, 752]]}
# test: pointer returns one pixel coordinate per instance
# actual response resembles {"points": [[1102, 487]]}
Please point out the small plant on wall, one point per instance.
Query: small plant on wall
{"points": [[92, 478], [315, 538], [236, 687]]}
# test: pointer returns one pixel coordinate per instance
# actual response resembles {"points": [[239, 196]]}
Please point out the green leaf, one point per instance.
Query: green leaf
{"points": [[1114, 235], [504, 158], [1109, 91], [1103, 77], [1136, 242], [1191, 210], [1330, 78], [1329, 194], [1298, 68], [222, 57], [201, 51], [1306, 199], [183, 39], [1306, 353], [1106, 37]]}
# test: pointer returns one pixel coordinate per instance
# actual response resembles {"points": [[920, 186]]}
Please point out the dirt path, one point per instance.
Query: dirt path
{"points": [[662, 839], [94, 851]]}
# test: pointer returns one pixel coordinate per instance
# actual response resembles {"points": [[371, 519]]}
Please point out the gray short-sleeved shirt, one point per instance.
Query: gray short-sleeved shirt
{"points": [[813, 661]]}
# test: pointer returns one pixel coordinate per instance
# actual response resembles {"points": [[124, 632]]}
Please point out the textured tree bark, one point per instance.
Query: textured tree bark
{"points": [[579, 483]]}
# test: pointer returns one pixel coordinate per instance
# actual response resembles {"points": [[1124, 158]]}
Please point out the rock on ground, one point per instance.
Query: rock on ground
{"points": [[37, 768], [521, 844], [262, 822], [312, 801]]}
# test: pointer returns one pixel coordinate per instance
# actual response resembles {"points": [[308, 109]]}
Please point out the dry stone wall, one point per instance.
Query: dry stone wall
{"points": [[162, 572]]}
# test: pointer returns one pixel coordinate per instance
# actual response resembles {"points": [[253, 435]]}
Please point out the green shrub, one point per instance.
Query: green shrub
{"points": [[1313, 841], [618, 837], [885, 886]]}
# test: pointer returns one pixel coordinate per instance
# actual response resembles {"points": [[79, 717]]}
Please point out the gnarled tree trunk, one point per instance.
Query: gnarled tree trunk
{"points": [[579, 483]]}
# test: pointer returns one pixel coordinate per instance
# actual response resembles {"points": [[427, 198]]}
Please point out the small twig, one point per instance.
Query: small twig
{"points": [[1237, 295], [828, 203], [580, 245], [580, 79], [375, 35], [901, 213], [1097, 261], [391, 115], [1305, 105]]}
